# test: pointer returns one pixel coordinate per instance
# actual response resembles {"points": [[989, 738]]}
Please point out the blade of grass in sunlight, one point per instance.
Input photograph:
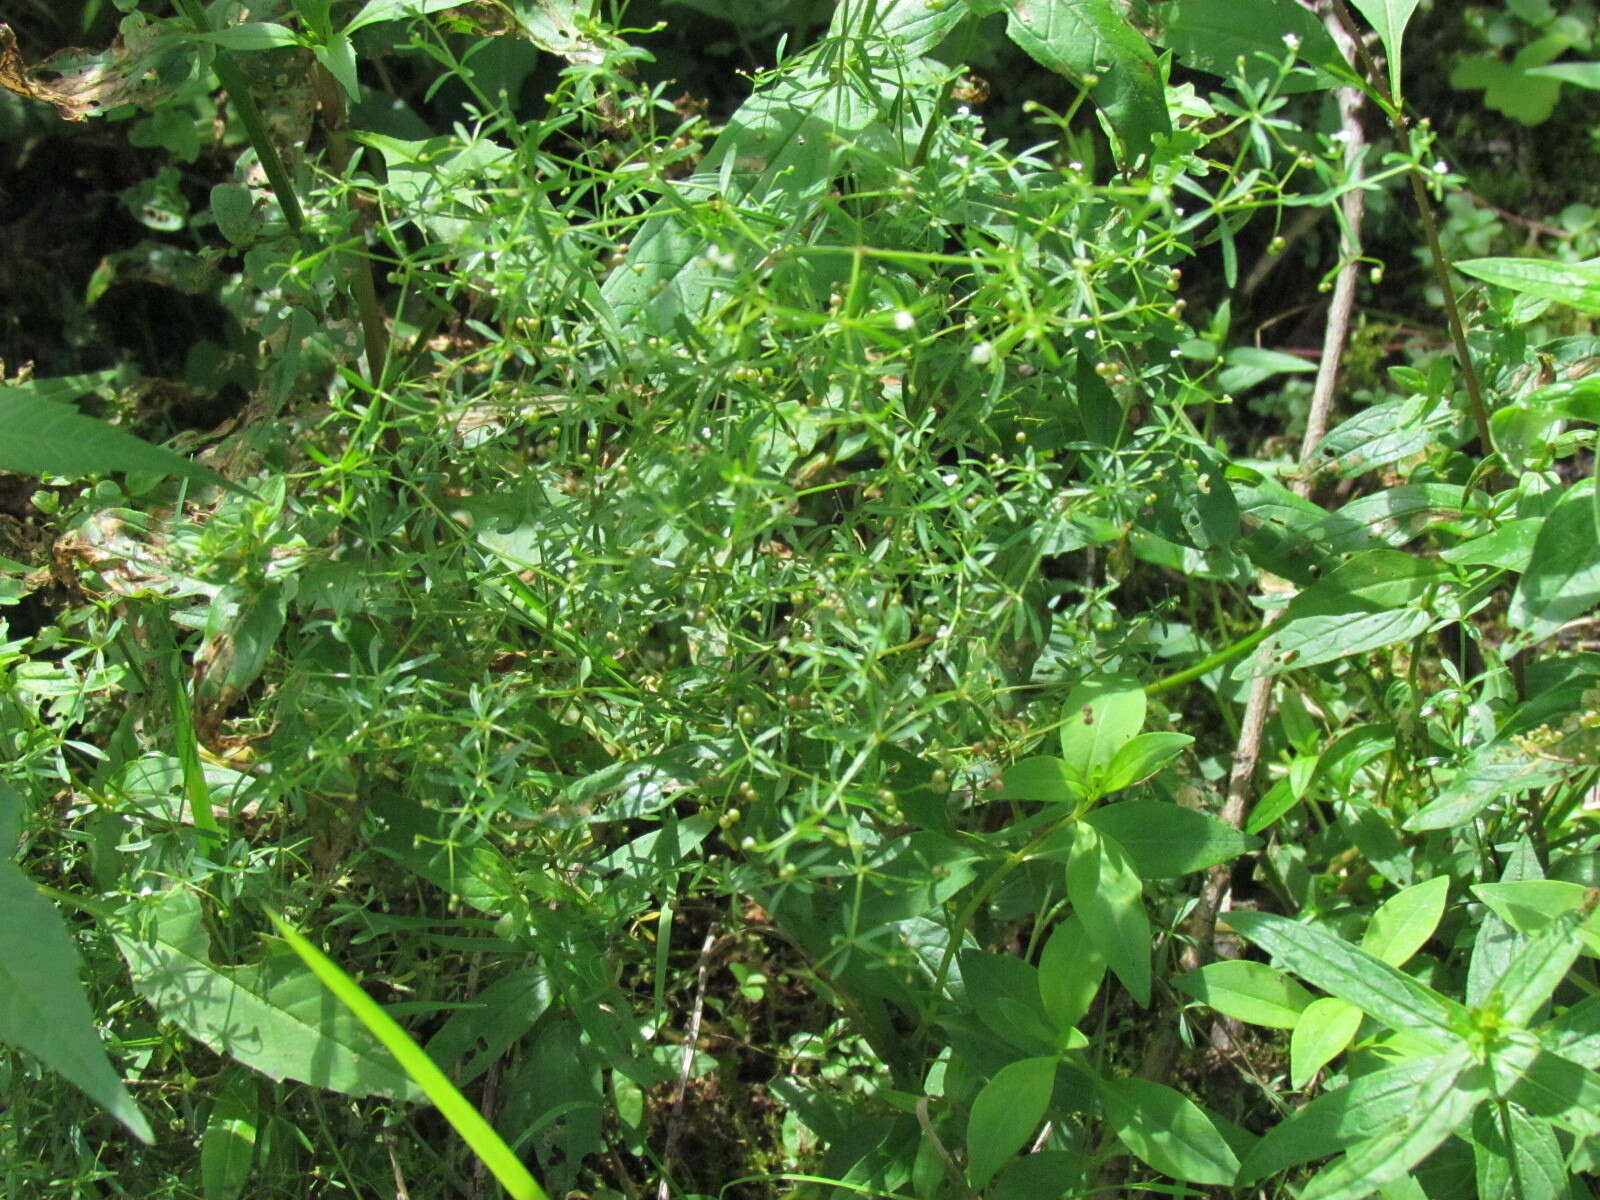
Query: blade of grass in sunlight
{"points": [[488, 1145]]}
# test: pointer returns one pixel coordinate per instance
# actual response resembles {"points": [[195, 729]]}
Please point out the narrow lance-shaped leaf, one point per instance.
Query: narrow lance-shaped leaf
{"points": [[1005, 1114], [1389, 18], [1343, 970], [1092, 43], [43, 1009], [1168, 1131], [466, 1120], [48, 437], [1540, 966], [1441, 1103]]}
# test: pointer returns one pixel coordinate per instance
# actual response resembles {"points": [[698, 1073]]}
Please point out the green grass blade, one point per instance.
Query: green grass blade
{"points": [[490, 1148]]}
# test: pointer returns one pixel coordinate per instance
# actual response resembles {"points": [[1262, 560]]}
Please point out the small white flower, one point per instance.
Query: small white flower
{"points": [[982, 354], [1441, 167], [903, 321], [1292, 40]]}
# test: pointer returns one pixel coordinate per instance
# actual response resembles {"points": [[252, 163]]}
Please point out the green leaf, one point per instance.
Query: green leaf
{"points": [[1070, 973], [1107, 897], [43, 1009], [338, 56], [1538, 967], [1340, 969], [272, 1016], [1141, 758], [1163, 839], [1248, 991], [466, 1120], [1005, 1114], [1090, 38], [1360, 1110], [48, 437], [1517, 1155], [1531, 905], [1496, 942], [1406, 920], [1389, 19], [1323, 1031], [228, 1145], [1213, 35], [1166, 1130], [1250, 365], [1097, 720], [1551, 1086], [1574, 284], [374, 11], [1562, 580], [1372, 599], [1440, 1103], [1042, 777], [248, 36]]}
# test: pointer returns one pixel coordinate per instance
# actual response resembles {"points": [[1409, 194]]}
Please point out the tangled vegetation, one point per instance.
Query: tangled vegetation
{"points": [[925, 598]]}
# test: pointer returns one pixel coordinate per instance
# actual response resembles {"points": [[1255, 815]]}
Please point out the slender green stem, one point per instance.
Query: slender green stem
{"points": [[1214, 660], [255, 126]]}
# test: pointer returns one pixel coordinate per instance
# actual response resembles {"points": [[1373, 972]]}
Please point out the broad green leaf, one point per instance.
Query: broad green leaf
{"points": [[1441, 1102], [466, 1120], [1389, 18], [1097, 720], [1213, 35], [228, 1145], [1575, 1034], [272, 1016], [1166, 1130], [48, 437], [1084, 39], [1496, 942], [1043, 778], [1005, 1114], [1163, 839], [1191, 502], [338, 56], [1562, 580], [1374, 437], [1552, 1086], [1360, 1110], [1542, 963], [43, 1008], [1517, 1155], [1373, 599], [1250, 365], [1530, 905], [1574, 284], [1047, 1173], [1323, 1031], [1004, 991], [1070, 973], [1142, 758], [1106, 896], [1248, 991], [1337, 967], [1370, 581], [1406, 920]]}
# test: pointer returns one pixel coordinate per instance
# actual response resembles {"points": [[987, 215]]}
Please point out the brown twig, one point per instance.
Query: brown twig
{"points": [[686, 1064], [1202, 928]]}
